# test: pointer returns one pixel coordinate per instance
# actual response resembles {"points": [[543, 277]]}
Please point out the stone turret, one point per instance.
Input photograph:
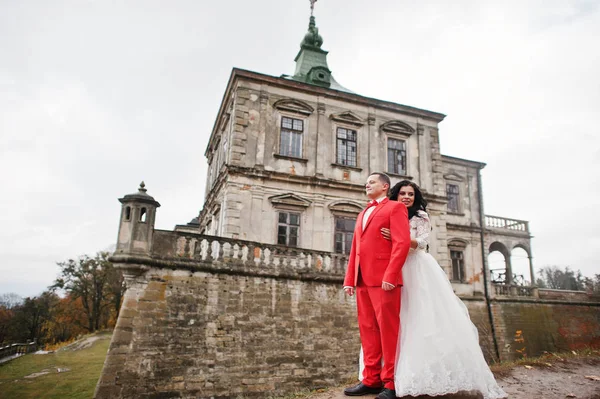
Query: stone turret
{"points": [[136, 226]]}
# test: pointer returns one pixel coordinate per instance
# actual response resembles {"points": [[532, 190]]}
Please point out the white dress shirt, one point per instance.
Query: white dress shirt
{"points": [[369, 211]]}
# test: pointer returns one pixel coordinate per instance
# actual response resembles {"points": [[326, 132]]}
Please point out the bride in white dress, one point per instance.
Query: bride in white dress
{"points": [[438, 350]]}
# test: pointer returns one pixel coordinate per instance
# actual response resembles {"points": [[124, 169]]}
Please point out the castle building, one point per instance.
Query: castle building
{"points": [[264, 261], [288, 158]]}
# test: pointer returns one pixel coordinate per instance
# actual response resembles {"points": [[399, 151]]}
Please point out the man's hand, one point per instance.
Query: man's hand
{"points": [[349, 290], [387, 286]]}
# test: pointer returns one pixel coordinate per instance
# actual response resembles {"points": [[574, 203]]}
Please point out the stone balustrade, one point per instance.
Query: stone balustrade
{"points": [[498, 222], [180, 248], [513, 290]]}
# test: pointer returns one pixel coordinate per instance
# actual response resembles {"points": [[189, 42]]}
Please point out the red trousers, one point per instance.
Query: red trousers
{"points": [[379, 324]]}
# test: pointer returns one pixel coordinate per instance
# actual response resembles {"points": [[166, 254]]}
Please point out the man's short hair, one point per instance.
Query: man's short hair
{"points": [[385, 179]]}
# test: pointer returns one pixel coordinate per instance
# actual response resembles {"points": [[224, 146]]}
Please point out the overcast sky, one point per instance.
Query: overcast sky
{"points": [[96, 96]]}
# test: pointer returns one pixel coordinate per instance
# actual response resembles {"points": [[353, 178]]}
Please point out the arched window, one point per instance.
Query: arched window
{"points": [[143, 215], [127, 213]]}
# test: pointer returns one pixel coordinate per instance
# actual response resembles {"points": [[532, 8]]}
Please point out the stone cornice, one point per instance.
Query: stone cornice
{"points": [[279, 176], [462, 162], [140, 264], [462, 227]]}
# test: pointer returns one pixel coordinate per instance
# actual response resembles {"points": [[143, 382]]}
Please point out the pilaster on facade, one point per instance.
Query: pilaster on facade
{"points": [[437, 166], [321, 140]]}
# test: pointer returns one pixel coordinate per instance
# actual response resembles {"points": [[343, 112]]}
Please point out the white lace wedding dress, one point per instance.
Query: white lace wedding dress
{"points": [[438, 350]]}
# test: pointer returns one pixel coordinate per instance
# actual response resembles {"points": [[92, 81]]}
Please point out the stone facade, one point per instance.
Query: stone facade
{"points": [[250, 183]]}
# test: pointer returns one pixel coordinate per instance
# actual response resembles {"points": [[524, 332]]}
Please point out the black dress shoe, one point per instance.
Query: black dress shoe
{"points": [[387, 394], [361, 389]]}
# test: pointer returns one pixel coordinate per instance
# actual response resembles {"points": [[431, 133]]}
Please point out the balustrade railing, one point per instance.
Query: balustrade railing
{"points": [[515, 290], [505, 223], [13, 350], [185, 245]]}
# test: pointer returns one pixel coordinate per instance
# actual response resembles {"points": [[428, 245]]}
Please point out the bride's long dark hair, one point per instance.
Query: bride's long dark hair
{"points": [[420, 202]]}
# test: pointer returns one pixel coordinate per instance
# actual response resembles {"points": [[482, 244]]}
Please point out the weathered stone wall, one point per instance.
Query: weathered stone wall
{"points": [[199, 334], [526, 328]]}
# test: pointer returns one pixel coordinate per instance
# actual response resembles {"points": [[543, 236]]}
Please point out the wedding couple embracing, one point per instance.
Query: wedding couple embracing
{"points": [[416, 334]]}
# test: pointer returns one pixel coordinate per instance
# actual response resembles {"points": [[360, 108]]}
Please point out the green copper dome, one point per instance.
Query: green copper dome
{"points": [[311, 61]]}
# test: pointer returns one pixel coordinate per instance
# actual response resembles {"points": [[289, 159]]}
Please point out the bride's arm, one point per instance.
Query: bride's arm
{"points": [[423, 229]]}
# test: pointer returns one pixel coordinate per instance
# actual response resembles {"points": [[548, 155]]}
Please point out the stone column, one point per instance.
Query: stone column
{"points": [[508, 266]]}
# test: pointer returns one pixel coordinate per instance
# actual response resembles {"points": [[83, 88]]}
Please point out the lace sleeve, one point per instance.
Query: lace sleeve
{"points": [[423, 226]]}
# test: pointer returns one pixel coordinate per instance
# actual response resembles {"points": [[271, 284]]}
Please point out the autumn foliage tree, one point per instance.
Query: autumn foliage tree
{"points": [[91, 291], [96, 284]]}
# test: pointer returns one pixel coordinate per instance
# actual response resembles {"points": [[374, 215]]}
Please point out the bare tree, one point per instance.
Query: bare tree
{"points": [[555, 277], [10, 300]]}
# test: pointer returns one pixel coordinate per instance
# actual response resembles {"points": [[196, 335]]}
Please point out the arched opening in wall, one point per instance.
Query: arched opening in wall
{"points": [[499, 263], [143, 214], [519, 260], [128, 214], [497, 267]]}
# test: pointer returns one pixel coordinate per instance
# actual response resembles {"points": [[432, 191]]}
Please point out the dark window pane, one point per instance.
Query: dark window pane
{"points": [[457, 265], [346, 147], [344, 230], [282, 217], [281, 240], [453, 197], [349, 225], [348, 243], [293, 241], [282, 230], [294, 219], [396, 156], [339, 243], [298, 125]]}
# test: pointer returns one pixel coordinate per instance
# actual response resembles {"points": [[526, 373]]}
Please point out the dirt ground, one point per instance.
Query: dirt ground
{"points": [[556, 378]]}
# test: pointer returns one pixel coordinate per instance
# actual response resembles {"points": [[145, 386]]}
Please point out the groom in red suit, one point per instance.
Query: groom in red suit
{"points": [[375, 274]]}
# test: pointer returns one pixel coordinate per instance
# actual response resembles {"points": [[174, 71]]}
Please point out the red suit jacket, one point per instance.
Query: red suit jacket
{"points": [[379, 259]]}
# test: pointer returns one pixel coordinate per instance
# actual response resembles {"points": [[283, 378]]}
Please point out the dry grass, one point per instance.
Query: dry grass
{"points": [[62, 374], [546, 361]]}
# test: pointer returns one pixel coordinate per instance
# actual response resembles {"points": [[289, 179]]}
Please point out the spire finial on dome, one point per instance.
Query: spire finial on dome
{"points": [[312, 37], [142, 187]]}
